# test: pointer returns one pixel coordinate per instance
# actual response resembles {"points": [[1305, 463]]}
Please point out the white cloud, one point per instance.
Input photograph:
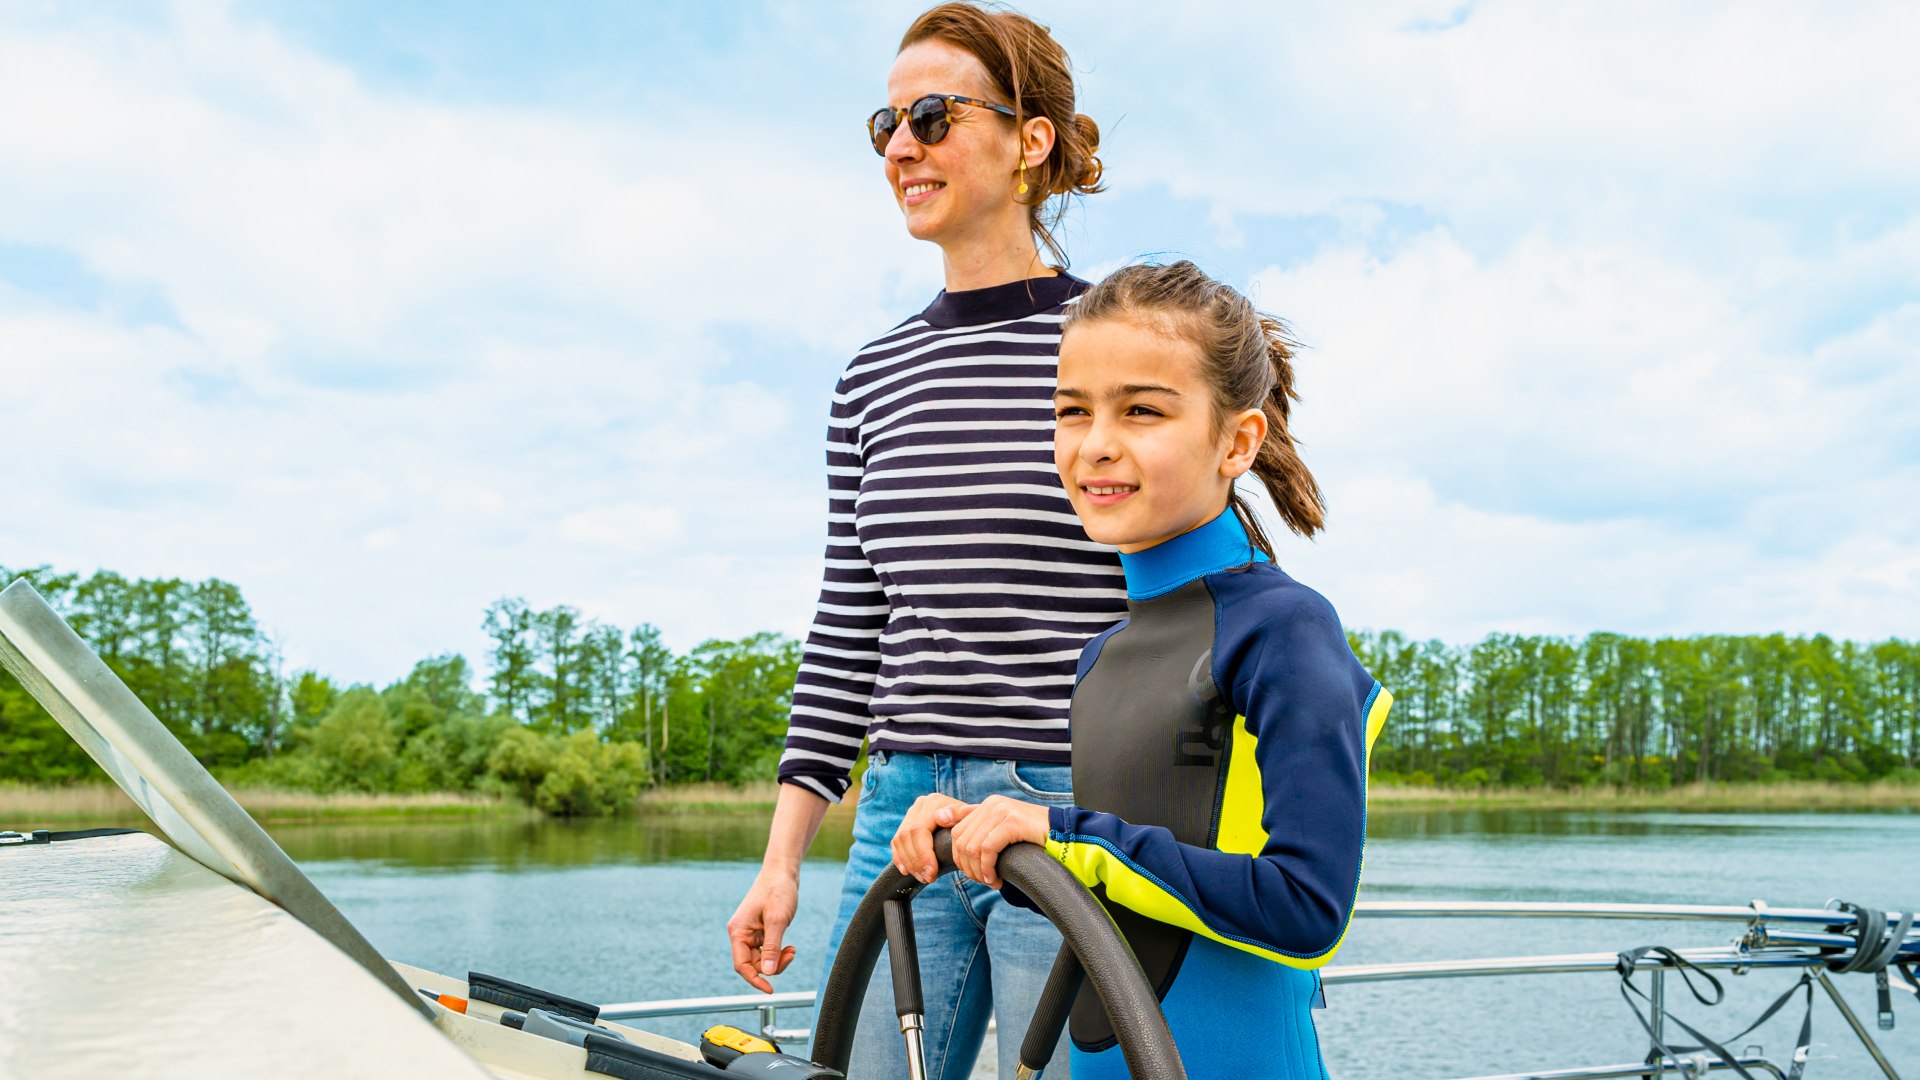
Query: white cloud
{"points": [[279, 203], [433, 501], [1591, 116], [1635, 381], [1642, 363], [1570, 437], [422, 354], [630, 527]]}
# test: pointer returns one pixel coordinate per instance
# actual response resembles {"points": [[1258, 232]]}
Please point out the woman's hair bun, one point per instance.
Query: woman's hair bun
{"points": [[1089, 180], [1089, 129], [1091, 167]]}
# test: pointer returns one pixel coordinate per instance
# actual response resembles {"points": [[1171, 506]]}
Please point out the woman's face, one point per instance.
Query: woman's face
{"points": [[960, 190], [1135, 438]]}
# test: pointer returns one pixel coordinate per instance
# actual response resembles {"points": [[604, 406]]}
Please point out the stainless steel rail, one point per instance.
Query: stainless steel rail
{"points": [[1769, 944], [1440, 909], [1859, 1029], [1719, 959], [1715, 959], [637, 1010], [767, 1005], [1679, 1067], [1831, 941]]}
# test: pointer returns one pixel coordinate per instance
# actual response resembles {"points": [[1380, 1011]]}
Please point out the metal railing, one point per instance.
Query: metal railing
{"points": [[1758, 911], [767, 1005], [1688, 1066], [1775, 938]]}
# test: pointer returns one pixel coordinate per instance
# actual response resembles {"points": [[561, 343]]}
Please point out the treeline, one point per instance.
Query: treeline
{"points": [[1519, 710], [577, 717]]}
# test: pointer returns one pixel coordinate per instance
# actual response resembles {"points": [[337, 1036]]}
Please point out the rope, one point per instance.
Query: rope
{"points": [[1875, 949], [1629, 961]]}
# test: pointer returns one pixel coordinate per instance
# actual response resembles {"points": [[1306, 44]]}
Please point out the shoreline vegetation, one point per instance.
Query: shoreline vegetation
{"points": [[38, 806], [1708, 797], [574, 718], [33, 806]]}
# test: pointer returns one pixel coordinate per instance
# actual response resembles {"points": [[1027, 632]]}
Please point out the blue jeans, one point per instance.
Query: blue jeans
{"points": [[978, 953]]}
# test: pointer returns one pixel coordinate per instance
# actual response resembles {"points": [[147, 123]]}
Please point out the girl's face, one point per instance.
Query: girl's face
{"points": [[960, 190], [1136, 441]]}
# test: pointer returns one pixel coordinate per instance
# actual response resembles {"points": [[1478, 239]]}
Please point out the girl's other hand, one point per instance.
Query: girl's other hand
{"points": [[986, 832], [913, 842]]}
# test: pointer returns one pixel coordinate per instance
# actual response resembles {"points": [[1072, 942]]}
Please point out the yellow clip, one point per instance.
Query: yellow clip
{"points": [[734, 1039]]}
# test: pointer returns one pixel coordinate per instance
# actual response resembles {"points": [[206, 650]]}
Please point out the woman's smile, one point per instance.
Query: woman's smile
{"points": [[915, 192]]}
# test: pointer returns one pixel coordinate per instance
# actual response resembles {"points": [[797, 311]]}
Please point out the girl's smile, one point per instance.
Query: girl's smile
{"points": [[1104, 494]]}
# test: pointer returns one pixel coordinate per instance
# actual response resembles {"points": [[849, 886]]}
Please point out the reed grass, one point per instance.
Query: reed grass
{"points": [[1707, 797], [27, 806], [722, 798]]}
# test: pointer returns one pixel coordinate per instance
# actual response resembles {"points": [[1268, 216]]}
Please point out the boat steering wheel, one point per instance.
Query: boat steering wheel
{"points": [[1093, 948]]}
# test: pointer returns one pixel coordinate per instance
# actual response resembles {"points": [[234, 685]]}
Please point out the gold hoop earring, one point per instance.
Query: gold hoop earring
{"points": [[1023, 176]]}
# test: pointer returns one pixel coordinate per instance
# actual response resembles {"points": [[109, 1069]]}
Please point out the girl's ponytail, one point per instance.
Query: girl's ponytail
{"points": [[1295, 493], [1245, 356]]}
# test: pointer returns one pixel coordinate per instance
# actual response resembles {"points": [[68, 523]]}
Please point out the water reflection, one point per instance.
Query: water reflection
{"points": [[740, 836], [528, 843]]}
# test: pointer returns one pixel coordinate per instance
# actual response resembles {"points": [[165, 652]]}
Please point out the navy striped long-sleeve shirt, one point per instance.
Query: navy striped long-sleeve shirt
{"points": [[959, 586]]}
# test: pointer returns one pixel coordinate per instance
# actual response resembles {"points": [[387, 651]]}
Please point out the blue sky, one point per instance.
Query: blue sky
{"points": [[385, 311]]}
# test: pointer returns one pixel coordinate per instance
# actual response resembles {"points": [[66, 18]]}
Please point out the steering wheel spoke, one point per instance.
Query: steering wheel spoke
{"points": [[1093, 951]]}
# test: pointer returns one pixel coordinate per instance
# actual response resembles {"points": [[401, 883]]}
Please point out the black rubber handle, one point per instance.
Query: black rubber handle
{"points": [[1109, 962], [1056, 1004], [508, 994], [623, 1060], [904, 957]]}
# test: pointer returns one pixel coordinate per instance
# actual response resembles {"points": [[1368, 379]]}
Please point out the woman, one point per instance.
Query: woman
{"points": [[959, 587]]}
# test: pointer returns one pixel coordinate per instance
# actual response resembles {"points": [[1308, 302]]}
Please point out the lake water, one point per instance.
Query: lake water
{"points": [[635, 909]]}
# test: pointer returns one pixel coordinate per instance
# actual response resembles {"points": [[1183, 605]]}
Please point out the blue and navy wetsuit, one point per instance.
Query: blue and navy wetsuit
{"points": [[1220, 742]]}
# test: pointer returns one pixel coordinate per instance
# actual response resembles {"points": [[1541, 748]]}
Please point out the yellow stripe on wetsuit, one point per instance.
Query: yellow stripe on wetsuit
{"points": [[1095, 863]]}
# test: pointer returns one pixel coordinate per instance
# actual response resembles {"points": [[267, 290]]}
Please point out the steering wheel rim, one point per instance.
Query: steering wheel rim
{"points": [[1111, 968]]}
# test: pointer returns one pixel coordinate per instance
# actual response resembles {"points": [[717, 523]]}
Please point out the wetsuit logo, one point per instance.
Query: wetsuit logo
{"points": [[1199, 740]]}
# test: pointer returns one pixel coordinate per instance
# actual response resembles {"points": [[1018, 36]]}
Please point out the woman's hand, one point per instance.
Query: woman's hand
{"points": [[762, 918], [913, 841], [758, 925], [986, 831]]}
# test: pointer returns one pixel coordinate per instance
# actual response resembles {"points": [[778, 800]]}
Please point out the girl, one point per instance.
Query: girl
{"points": [[1221, 732], [959, 586]]}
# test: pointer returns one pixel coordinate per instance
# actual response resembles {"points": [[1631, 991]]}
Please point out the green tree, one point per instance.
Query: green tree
{"points": [[562, 699], [588, 776], [311, 697], [649, 665], [356, 743], [510, 623]]}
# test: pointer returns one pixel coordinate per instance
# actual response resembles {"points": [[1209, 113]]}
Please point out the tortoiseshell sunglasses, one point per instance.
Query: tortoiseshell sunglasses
{"points": [[929, 118]]}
